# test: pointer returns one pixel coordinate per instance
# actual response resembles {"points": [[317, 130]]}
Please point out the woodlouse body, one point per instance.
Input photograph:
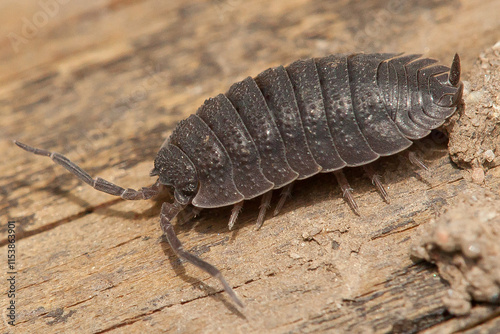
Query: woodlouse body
{"points": [[315, 115], [288, 123]]}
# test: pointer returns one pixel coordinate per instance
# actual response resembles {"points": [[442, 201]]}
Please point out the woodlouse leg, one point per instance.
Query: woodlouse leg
{"points": [[285, 194], [234, 214], [264, 205], [414, 159], [346, 190], [185, 217], [376, 182], [98, 183], [168, 213]]}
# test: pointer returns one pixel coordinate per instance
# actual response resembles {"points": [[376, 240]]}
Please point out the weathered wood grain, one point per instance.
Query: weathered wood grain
{"points": [[105, 82]]}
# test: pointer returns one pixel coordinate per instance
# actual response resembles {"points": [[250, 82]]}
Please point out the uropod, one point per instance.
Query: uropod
{"points": [[316, 115]]}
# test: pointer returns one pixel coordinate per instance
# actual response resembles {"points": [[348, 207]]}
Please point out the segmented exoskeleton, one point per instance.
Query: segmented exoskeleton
{"points": [[289, 123]]}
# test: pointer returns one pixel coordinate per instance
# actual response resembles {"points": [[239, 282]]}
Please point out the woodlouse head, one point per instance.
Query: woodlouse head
{"points": [[176, 170]]}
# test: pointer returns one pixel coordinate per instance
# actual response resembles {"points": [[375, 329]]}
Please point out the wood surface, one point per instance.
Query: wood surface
{"points": [[105, 82]]}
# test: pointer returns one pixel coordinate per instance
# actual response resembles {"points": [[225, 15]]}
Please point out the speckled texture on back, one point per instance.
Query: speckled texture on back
{"points": [[215, 170], [219, 114], [305, 81], [349, 141], [381, 133], [280, 98], [251, 106]]}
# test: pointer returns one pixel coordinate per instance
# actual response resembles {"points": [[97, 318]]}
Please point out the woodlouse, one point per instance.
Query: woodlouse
{"points": [[289, 123]]}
